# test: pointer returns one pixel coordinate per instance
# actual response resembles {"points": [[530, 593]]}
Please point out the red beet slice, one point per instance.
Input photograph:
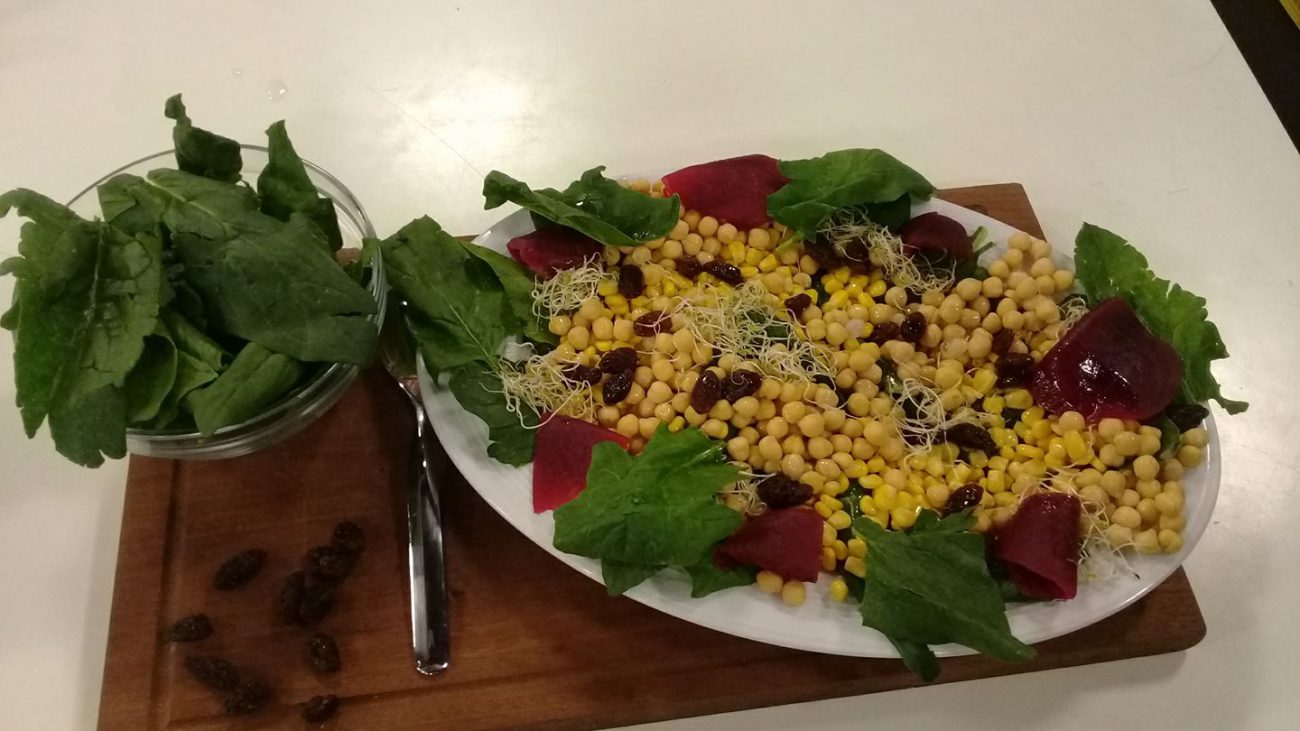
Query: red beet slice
{"points": [[733, 191], [937, 232], [1108, 365], [786, 542], [563, 452], [546, 251], [1040, 546]]}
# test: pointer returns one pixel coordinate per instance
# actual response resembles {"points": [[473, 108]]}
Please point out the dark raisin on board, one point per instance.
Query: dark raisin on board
{"points": [[884, 332], [239, 569], [631, 281], [729, 273], [320, 708], [348, 538], [966, 496], [797, 304], [617, 387], [248, 697], [212, 672], [707, 391], [740, 383], [1003, 341], [652, 323], [323, 653], [327, 564], [317, 601], [972, 437], [288, 600], [913, 327], [618, 360], [190, 629], [689, 267], [579, 373], [1013, 369], [779, 491]]}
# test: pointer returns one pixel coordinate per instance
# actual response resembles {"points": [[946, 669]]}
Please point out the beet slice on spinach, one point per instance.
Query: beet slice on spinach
{"points": [[733, 190]]}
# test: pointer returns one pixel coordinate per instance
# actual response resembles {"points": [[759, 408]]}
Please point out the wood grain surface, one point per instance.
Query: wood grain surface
{"points": [[535, 644]]}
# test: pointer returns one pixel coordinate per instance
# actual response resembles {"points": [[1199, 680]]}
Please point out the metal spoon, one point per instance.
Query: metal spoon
{"points": [[430, 608]]}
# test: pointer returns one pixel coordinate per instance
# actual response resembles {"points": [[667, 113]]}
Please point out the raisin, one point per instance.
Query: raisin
{"points": [[971, 437], [779, 491], [248, 697], [320, 708], [212, 672], [579, 373], [618, 360], [689, 268], [1003, 341], [327, 564], [323, 653], [729, 273], [317, 601], [289, 599], [348, 538], [913, 327], [190, 629], [1013, 369], [652, 323], [966, 496], [707, 391], [617, 388], [239, 569], [740, 383], [797, 304], [1186, 416], [884, 332], [631, 281]]}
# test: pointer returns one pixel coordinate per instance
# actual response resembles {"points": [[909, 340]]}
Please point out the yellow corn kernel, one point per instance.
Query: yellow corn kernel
{"points": [[831, 284], [748, 272], [589, 351], [823, 510], [1056, 449], [615, 300], [769, 582], [997, 463], [1054, 461], [1032, 416], [857, 468], [793, 593], [868, 505], [606, 287], [1028, 451], [677, 424], [837, 301], [994, 404], [902, 518], [885, 497], [857, 547], [984, 380], [1003, 499], [996, 481], [831, 502], [856, 566], [1034, 468], [841, 550], [839, 590], [877, 288], [828, 534], [839, 520], [1041, 430], [768, 264], [828, 559], [754, 256], [1076, 447], [1019, 399], [604, 346], [835, 488], [736, 252]]}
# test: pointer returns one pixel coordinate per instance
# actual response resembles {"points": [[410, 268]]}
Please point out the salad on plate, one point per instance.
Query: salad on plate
{"points": [[759, 372]]}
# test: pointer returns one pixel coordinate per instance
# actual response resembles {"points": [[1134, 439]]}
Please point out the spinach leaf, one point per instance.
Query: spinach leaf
{"points": [[88, 296], [931, 585], [821, 186], [285, 188], [198, 361], [707, 578], [894, 214], [619, 576], [518, 283], [593, 205], [657, 508], [261, 279], [151, 379], [461, 304], [199, 151], [256, 379], [479, 391], [1108, 266]]}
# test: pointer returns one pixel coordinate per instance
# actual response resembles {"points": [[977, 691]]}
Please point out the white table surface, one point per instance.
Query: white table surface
{"points": [[1138, 116]]}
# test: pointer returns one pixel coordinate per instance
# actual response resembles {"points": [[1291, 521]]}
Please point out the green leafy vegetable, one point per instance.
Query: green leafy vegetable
{"points": [[261, 279], [593, 205], [1107, 266], [931, 585], [479, 391], [199, 151], [843, 179], [198, 361], [88, 297], [656, 509], [256, 379], [285, 188], [152, 378], [619, 576], [518, 284], [707, 578]]}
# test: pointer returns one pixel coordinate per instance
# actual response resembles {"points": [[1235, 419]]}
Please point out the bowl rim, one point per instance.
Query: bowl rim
{"points": [[318, 385]]}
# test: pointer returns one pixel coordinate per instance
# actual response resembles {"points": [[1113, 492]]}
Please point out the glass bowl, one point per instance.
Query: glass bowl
{"points": [[304, 404]]}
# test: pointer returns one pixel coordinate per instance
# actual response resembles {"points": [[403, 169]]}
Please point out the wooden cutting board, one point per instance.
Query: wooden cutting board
{"points": [[534, 643]]}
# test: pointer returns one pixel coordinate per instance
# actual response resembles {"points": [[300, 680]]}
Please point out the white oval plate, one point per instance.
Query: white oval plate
{"points": [[820, 625]]}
